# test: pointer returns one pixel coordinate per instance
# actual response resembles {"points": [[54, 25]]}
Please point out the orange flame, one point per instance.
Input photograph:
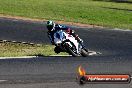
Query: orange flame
{"points": [[81, 71]]}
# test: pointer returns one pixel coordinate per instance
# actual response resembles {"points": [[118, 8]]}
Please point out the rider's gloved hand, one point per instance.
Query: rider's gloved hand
{"points": [[72, 31]]}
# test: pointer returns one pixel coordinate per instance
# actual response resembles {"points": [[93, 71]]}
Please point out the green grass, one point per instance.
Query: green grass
{"points": [[82, 11], [8, 49]]}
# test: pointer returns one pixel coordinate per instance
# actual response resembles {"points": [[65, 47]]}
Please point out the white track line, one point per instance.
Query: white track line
{"points": [[61, 55], [3, 80], [122, 29], [91, 53], [4, 40], [18, 57]]}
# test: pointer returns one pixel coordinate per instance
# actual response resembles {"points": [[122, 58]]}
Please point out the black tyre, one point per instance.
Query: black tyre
{"points": [[57, 49], [84, 53]]}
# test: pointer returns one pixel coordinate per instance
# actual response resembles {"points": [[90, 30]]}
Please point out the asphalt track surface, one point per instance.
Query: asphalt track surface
{"points": [[61, 72]]}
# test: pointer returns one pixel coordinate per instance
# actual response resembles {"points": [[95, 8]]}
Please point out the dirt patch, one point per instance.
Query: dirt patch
{"points": [[59, 22]]}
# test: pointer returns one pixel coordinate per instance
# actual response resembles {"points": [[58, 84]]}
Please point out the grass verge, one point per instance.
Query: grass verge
{"points": [[110, 14], [8, 49]]}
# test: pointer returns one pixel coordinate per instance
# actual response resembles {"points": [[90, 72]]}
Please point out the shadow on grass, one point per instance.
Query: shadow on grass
{"points": [[118, 9], [116, 1]]}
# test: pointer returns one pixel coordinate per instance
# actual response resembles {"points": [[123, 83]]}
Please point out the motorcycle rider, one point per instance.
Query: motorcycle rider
{"points": [[52, 28]]}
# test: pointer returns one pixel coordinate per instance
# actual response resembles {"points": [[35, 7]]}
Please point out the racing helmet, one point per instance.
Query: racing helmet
{"points": [[50, 25]]}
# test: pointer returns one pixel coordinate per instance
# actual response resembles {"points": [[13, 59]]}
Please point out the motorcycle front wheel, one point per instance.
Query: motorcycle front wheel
{"points": [[84, 52]]}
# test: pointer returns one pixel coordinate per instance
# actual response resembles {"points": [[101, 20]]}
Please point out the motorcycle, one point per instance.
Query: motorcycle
{"points": [[67, 43]]}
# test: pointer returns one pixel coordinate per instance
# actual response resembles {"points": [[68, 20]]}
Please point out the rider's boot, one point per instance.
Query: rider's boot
{"points": [[79, 39]]}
